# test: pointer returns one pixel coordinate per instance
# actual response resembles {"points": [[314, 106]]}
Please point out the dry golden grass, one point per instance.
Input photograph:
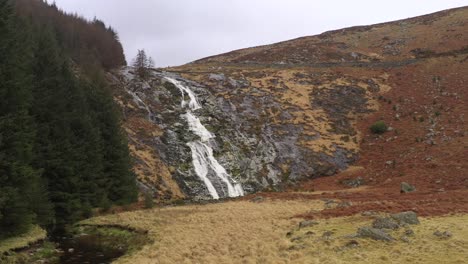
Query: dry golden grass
{"points": [[246, 232], [423, 247], [232, 232]]}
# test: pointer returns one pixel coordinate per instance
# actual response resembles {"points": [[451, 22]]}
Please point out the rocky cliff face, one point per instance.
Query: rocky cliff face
{"points": [[289, 111], [271, 128]]}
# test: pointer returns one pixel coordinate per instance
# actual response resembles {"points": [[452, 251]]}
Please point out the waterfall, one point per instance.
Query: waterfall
{"points": [[202, 151]]}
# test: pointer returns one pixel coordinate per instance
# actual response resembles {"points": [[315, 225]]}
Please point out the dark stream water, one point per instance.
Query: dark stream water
{"points": [[86, 249]]}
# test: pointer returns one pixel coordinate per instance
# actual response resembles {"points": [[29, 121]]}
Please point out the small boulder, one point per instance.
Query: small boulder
{"points": [[257, 199], [354, 183], [374, 233], [327, 234], [296, 247], [445, 234], [344, 204], [307, 223], [405, 239], [407, 188], [409, 232], [368, 213], [385, 222], [217, 77], [352, 244], [409, 217]]}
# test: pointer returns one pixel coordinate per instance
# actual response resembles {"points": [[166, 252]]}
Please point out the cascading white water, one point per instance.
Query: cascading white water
{"points": [[202, 152]]}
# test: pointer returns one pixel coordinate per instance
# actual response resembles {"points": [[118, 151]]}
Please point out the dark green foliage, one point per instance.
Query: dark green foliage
{"points": [[23, 200], [62, 151], [379, 127]]}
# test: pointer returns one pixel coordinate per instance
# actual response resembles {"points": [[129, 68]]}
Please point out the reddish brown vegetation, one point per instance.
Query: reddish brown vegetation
{"points": [[90, 43], [427, 148]]}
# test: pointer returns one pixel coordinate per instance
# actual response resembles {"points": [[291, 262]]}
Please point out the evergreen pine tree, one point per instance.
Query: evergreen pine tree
{"points": [[23, 199], [142, 63]]}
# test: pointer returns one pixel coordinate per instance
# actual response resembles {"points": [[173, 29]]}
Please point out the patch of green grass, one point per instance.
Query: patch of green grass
{"points": [[34, 235], [47, 251]]}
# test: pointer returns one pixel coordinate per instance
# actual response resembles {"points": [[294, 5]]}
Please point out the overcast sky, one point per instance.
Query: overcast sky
{"points": [[175, 32]]}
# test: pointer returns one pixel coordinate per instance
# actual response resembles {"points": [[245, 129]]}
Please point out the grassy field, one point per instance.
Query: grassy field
{"points": [[267, 232]]}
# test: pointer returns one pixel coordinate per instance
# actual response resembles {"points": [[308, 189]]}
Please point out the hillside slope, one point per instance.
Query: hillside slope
{"points": [[437, 34], [301, 109], [286, 119]]}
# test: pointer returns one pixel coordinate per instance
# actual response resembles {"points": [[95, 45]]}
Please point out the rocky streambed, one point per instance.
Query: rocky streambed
{"points": [[81, 245]]}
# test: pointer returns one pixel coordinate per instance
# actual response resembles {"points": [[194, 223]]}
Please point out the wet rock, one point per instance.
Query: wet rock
{"points": [[385, 222], [407, 188], [307, 223], [409, 217], [374, 233]]}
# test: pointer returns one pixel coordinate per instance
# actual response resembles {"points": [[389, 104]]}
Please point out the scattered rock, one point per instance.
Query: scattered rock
{"points": [[296, 247], [405, 239], [257, 199], [385, 222], [409, 217], [344, 204], [296, 239], [307, 223], [71, 250], [354, 183], [329, 203], [327, 234], [217, 77], [409, 232], [445, 234], [407, 188], [368, 213], [352, 244], [374, 233]]}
